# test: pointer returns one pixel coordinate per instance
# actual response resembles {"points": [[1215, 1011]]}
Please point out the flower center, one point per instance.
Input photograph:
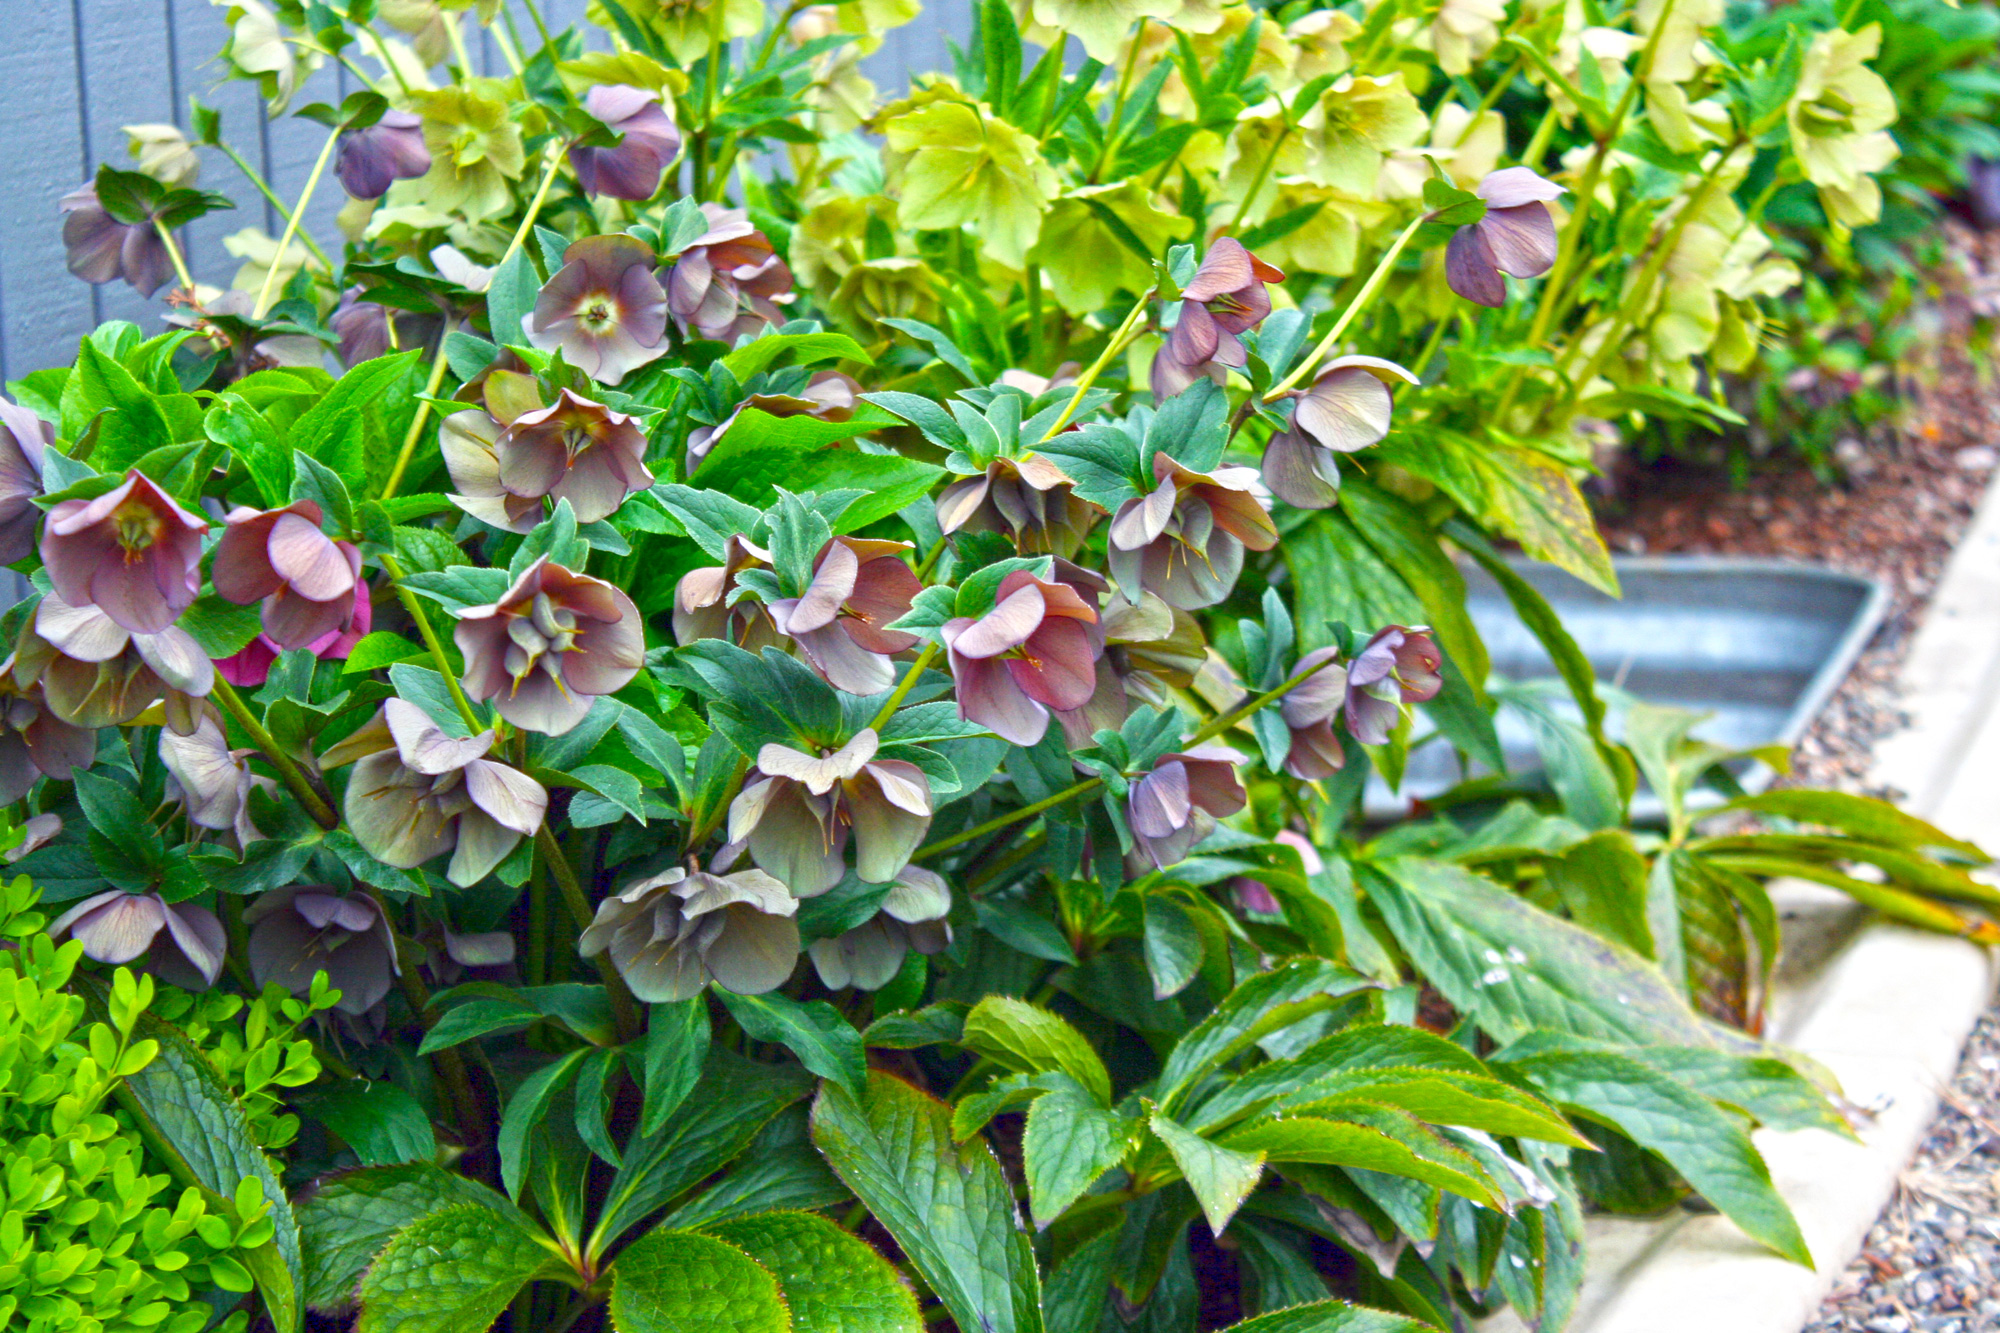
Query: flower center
{"points": [[540, 638], [139, 526], [600, 316]]}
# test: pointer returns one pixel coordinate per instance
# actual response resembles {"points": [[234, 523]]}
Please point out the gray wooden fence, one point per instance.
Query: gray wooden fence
{"points": [[74, 71]]}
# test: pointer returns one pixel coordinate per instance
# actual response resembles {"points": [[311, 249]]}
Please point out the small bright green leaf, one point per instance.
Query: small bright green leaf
{"points": [[1070, 1141], [824, 1041]]}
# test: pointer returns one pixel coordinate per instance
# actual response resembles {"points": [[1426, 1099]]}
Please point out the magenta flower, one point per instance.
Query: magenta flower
{"points": [[858, 588], [1309, 712], [703, 608], [24, 437], [1033, 652], [912, 917], [1517, 236], [829, 397], [370, 160], [554, 641], [252, 666], [632, 170], [417, 793], [1226, 297], [34, 742], [99, 247], [1347, 408], [1398, 666], [301, 931], [672, 934], [575, 450], [729, 281], [1185, 541], [1028, 498], [118, 927], [795, 816], [132, 551], [470, 441], [93, 672], [306, 580], [603, 309], [1176, 805]]}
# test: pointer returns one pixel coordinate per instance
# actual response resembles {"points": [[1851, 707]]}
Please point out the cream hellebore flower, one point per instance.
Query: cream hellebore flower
{"points": [[870, 955], [475, 150], [1464, 31], [93, 672], [164, 153], [672, 934], [1101, 25], [1355, 125], [796, 816], [118, 927], [258, 48], [1839, 119], [950, 163]]}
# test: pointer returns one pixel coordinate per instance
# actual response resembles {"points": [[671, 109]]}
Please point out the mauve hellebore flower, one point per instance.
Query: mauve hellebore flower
{"points": [[1184, 542], [553, 642], [303, 930], [574, 450], [1033, 652], [858, 586], [1346, 409], [1398, 666], [94, 672], [132, 551], [24, 438], [870, 955], [251, 667], [672, 934], [117, 927], [1517, 236], [307, 581], [34, 742], [369, 161], [470, 442], [730, 266], [795, 816], [416, 793], [1226, 297], [603, 310], [100, 247], [702, 608], [631, 170], [213, 781], [1309, 712], [1176, 805]]}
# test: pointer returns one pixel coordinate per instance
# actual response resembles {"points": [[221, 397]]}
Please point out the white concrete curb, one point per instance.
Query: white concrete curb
{"points": [[1888, 1014]]}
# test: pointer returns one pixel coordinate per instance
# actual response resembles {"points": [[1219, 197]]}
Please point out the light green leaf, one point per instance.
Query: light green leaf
{"points": [[1069, 1142], [1331, 1317], [1259, 1006], [1220, 1177], [804, 349], [452, 1271], [1860, 816], [1022, 1037], [816, 1032], [832, 1282], [683, 1282]]}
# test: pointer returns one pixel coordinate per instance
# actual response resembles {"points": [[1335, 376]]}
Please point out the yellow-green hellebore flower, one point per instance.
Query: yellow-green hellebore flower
{"points": [[1839, 120], [1084, 260], [952, 164], [475, 152]]}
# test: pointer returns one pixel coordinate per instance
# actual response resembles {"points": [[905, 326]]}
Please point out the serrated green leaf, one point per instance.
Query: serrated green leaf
{"points": [[1069, 1142], [383, 1124], [1260, 1005], [1031, 1040], [348, 1220], [1331, 1317], [824, 1041], [1220, 1177], [452, 1271], [685, 1282], [832, 1282]]}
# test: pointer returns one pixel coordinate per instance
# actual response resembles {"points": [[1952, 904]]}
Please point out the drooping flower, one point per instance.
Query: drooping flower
{"points": [[302, 930], [1517, 237], [1839, 120], [632, 169], [702, 606], [1399, 665], [470, 443], [858, 587], [1225, 298], [686, 27], [164, 153], [603, 309], [100, 248], [574, 450], [416, 793], [1033, 652], [306, 580], [119, 927], [672, 934], [132, 551], [1185, 540], [870, 955], [251, 667], [34, 742], [829, 396], [93, 672], [475, 149], [553, 642], [795, 816], [259, 47], [1309, 712], [24, 438], [1346, 409], [1464, 31], [213, 781], [370, 160], [1029, 498], [1176, 805], [729, 281]]}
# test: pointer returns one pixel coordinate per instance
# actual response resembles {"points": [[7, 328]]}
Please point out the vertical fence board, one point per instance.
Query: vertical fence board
{"points": [[43, 307], [124, 52]]}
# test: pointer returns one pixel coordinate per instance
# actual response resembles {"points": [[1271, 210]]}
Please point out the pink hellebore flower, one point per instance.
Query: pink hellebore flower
{"points": [[632, 169], [118, 927], [252, 666], [795, 816], [303, 930], [702, 608], [1226, 297], [1029, 498], [132, 551], [553, 642], [1517, 236], [1176, 805], [370, 160], [870, 955], [603, 309], [1185, 540], [416, 793], [1309, 712], [1036, 650], [729, 281], [858, 587], [470, 442], [24, 437], [672, 934], [307, 580], [574, 450], [1398, 666], [94, 672], [99, 247], [1347, 408]]}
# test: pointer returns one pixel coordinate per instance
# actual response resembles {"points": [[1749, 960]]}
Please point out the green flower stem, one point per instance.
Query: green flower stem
{"points": [[903, 689], [1361, 301], [294, 778], [292, 226], [417, 422], [624, 1009], [504, 37], [1123, 335], [1263, 174], [414, 605], [778, 27], [1112, 132], [174, 254], [1032, 280], [271, 197], [449, 1063], [535, 17], [1501, 85], [535, 205], [456, 37]]}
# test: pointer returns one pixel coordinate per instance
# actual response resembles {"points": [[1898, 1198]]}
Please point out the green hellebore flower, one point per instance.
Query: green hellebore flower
{"points": [[475, 151], [1084, 260], [688, 26], [950, 164], [1839, 120]]}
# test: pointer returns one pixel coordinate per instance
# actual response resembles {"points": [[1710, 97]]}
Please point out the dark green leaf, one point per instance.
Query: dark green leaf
{"points": [[383, 1124], [452, 1271], [348, 1220], [683, 1282], [824, 1041]]}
